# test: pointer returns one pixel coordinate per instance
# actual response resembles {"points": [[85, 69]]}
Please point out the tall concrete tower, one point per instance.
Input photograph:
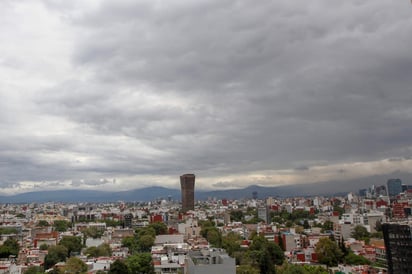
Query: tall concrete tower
{"points": [[187, 184]]}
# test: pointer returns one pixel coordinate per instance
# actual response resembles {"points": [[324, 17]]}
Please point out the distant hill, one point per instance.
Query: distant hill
{"points": [[156, 192], [144, 194]]}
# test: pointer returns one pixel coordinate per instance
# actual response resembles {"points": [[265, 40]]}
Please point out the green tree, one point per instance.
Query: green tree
{"points": [[145, 242], [214, 237], [131, 243], [246, 269], [301, 269], [44, 246], [277, 219], [263, 255], [34, 270], [360, 233], [315, 269], [289, 223], [55, 270], [254, 220], [241, 259], [9, 247], [343, 247], [231, 243], [306, 224], [206, 223], [328, 252], [291, 269], [327, 226], [93, 232], [353, 259], [159, 227], [146, 231], [99, 251], [378, 234], [378, 226], [236, 215], [75, 265], [211, 234], [262, 260], [112, 223], [140, 263], [280, 241], [43, 223], [72, 243], [6, 230], [118, 267], [54, 255], [276, 253], [61, 225]]}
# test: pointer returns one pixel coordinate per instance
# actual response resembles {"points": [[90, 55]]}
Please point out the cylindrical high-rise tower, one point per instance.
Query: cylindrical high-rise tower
{"points": [[187, 184]]}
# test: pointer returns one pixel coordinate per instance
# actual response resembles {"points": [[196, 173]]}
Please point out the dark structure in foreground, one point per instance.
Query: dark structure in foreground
{"points": [[187, 184], [398, 244]]}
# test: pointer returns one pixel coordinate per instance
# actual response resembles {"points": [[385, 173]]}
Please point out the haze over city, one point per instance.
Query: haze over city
{"points": [[118, 95]]}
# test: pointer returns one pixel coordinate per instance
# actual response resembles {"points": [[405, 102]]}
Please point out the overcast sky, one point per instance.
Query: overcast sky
{"points": [[117, 95]]}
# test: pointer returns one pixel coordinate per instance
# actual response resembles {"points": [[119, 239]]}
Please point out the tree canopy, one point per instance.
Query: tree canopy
{"points": [[301, 269], [7, 230], [262, 255], [159, 228], [142, 241], [353, 259], [75, 265], [61, 225], [9, 247], [34, 270], [72, 243], [140, 263], [360, 233], [328, 252], [211, 233], [99, 251], [231, 243], [93, 232], [118, 267], [43, 223], [55, 254]]}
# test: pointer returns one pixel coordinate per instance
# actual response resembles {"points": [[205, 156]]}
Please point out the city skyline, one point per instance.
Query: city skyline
{"points": [[123, 95]]}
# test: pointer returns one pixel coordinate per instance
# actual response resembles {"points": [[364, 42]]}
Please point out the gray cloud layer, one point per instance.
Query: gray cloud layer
{"points": [[142, 91]]}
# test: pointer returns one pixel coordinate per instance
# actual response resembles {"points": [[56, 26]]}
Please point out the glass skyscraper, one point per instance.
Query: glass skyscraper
{"points": [[394, 187]]}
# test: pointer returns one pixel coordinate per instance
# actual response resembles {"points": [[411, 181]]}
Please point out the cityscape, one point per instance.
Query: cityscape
{"points": [[205, 136], [364, 232]]}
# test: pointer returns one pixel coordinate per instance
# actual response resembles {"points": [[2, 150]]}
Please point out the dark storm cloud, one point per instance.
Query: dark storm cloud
{"points": [[219, 88], [275, 86]]}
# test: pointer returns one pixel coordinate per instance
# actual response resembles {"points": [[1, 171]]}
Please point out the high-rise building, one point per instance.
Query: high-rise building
{"points": [[405, 188], [187, 184], [263, 213], [394, 187], [398, 245], [362, 192], [381, 191], [128, 219]]}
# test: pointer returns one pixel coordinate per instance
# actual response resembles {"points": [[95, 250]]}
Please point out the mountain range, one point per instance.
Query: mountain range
{"points": [[157, 192]]}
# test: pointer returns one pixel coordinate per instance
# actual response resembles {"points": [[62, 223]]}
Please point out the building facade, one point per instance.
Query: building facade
{"points": [[187, 184], [398, 245], [394, 187]]}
